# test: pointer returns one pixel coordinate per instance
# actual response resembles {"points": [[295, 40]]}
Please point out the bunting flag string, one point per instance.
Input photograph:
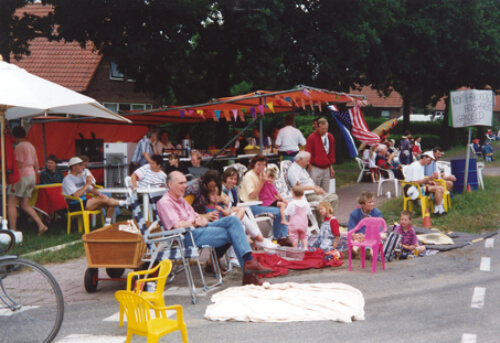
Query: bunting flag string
{"points": [[226, 115], [306, 92], [217, 114], [252, 109], [302, 104], [182, 113], [270, 106], [235, 114], [191, 112]]}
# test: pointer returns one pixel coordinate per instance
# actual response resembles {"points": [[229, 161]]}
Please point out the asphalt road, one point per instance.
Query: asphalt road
{"points": [[426, 299]]}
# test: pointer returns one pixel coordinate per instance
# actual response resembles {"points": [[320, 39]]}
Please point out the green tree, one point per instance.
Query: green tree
{"points": [[16, 32]]}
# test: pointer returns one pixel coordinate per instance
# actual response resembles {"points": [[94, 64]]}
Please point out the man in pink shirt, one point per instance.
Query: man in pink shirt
{"points": [[27, 163], [175, 212]]}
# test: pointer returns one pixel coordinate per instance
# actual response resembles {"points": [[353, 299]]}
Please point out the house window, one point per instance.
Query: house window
{"points": [[115, 107], [114, 74], [385, 114]]}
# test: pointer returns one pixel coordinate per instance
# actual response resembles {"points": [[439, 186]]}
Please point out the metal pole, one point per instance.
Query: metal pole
{"points": [[260, 130], [4, 179], [467, 156]]}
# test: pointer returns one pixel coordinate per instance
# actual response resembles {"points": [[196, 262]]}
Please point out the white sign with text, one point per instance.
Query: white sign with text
{"points": [[471, 108]]}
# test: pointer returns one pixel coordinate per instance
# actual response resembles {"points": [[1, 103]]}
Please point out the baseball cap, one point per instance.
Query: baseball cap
{"points": [[413, 192], [429, 154], [74, 160]]}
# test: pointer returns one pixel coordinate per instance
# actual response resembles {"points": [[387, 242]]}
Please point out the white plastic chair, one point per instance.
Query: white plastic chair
{"points": [[390, 178], [364, 168], [480, 167]]}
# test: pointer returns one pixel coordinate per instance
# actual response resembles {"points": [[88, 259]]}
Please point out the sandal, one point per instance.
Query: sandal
{"points": [[42, 230], [209, 268]]}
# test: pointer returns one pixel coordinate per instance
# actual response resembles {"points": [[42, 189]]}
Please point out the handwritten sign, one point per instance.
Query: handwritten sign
{"points": [[471, 108]]}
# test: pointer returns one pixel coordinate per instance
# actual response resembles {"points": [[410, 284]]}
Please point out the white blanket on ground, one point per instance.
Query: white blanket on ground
{"points": [[288, 302]]}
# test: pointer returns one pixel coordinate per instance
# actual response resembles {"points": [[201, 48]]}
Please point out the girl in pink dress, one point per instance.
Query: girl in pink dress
{"points": [[298, 210], [270, 196]]}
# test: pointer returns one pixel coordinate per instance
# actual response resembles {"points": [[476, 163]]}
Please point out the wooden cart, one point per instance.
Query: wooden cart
{"points": [[115, 250]]}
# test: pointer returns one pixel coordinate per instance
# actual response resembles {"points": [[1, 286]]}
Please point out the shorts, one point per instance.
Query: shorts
{"points": [[297, 234], [75, 206], [25, 187]]}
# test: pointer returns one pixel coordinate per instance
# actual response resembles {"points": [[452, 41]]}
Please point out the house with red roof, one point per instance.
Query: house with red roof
{"points": [[82, 70]]}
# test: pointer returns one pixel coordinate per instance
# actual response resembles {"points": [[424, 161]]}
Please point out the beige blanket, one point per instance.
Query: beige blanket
{"points": [[288, 302]]}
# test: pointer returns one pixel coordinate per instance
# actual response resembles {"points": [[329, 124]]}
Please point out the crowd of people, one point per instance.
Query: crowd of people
{"points": [[214, 197]]}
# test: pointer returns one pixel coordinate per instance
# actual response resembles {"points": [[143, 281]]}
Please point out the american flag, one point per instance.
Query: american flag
{"points": [[355, 123]]}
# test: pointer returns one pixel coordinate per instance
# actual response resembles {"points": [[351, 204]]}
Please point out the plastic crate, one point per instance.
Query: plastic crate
{"points": [[291, 254]]}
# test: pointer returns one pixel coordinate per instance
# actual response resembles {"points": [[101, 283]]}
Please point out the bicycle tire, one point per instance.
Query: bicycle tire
{"points": [[39, 299], [6, 243]]}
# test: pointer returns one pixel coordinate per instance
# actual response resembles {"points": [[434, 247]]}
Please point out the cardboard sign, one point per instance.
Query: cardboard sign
{"points": [[471, 108]]}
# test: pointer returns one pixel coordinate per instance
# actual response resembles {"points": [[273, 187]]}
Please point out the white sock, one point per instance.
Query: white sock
{"points": [[441, 208], [107, 221], [122, 203]]}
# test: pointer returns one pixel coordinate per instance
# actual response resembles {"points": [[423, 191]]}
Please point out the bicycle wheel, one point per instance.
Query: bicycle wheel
{"points": [[31, 302], [7, 241]]}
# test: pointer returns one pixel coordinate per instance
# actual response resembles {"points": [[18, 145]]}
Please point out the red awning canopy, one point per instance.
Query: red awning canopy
{"points": [[251, 104]]}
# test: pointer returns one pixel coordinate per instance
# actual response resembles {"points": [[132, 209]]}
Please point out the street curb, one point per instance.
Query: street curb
{"points": [[51, 249]]}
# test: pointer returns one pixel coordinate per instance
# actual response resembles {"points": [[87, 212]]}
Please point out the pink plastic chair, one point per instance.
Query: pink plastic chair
{"points": [[372, 240]]}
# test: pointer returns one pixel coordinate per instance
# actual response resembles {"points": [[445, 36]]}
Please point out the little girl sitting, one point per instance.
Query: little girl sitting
{"points": [[270, 196], [214, 204], [298, 210], [329, 232]]}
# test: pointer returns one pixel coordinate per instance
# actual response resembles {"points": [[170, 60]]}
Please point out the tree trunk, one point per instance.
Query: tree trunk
{"points": [[406, 112]]}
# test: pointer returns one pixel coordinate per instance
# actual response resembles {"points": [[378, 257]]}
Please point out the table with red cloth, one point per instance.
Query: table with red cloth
{"points": [[49, 199], [313, 258]]}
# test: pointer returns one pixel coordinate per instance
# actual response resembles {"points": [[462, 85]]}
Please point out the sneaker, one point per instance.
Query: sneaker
{"points": [[266, 244], [235, 263]]}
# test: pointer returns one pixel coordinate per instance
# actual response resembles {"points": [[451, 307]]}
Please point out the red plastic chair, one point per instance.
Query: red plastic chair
{"points": [[374, 227]]}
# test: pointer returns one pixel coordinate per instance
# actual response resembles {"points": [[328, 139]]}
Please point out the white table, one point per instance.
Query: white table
{"points": [[146, 210]]}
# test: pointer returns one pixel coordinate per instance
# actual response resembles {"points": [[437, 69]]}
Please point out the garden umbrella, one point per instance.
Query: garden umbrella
{"points": [[25, 95]]}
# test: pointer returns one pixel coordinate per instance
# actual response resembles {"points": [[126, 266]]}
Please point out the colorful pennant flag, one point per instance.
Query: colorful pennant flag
{"points": [[302, 104], [217, 114], [261, 109], [226, 115], [235, 113], [270, 106], [252, 109], [182, 113], [191, 112], [306, 92]]}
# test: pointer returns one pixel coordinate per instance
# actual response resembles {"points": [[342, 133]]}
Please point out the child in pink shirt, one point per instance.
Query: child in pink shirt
{"points": [[298, 210], [270, 196]]}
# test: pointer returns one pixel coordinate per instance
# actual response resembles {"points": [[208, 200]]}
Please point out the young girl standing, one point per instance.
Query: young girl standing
{"points": [[298, 210], [329, 232]]}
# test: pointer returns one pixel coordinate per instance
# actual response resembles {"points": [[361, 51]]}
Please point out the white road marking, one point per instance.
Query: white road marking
{"points": [[488, 243], [478, 297], [485, 264], [92, 339], [7, 312], [468, 338]]}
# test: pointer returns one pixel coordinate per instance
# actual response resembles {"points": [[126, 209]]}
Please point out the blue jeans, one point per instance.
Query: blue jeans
{"points": [[227, 230], [279, 230]]}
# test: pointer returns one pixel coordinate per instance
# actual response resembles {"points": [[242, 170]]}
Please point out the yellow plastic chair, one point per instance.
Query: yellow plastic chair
{"points": [[425, 201], [156, 297], [81, 214], [140, 322], [446, 195]]}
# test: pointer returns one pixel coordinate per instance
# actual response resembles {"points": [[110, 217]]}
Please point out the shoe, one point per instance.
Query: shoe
{"points": [[209, 268], [253, 266], [266, 244], [235, 263], [251, 279], [285, 242]]}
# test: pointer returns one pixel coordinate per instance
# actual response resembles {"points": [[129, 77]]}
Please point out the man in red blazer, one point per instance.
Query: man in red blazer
{"points": [[321, 146]]}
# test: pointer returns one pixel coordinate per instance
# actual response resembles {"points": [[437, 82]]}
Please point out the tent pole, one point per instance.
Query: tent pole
{"points": [[228, 143], [4, 178]]}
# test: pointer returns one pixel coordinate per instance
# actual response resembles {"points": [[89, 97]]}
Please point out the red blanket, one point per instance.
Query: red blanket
{"points": [[280, 266]]}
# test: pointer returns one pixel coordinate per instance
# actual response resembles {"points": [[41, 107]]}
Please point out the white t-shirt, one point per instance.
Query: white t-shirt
{"points": [[292, 205], [73, 183], [289, 139], [414, 172], [146, 177]]}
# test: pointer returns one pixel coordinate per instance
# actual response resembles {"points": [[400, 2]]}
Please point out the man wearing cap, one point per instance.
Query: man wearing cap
{"points": [[415, 172], [76, 185], [444, 174]]}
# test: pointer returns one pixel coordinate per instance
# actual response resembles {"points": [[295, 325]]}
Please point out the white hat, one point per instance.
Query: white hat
{"points": [[74, 160], [429, 154], [413, 192]]}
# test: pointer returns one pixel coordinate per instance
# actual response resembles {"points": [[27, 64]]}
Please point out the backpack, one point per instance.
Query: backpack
{"points": [[392, 243]]}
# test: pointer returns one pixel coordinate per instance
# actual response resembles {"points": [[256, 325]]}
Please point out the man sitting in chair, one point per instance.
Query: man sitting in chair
{"points": [[298, 176], [415, 173], [175, 212], [432, 168], [76, 185]]}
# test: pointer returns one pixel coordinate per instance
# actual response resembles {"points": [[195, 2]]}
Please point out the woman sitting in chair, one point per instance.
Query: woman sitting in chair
{"points": [[384, 161]]}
